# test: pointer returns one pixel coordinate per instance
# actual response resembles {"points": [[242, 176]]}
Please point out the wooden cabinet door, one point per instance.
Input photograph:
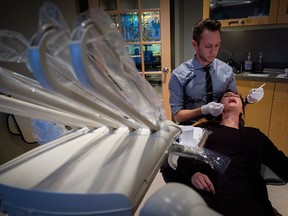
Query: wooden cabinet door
{"points": [[231, 15], [278, 132], [283, 12], [257, 115]]}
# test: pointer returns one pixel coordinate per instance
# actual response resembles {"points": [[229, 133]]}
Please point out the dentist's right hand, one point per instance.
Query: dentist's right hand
{"points": [[212, 108], [202, 182]]}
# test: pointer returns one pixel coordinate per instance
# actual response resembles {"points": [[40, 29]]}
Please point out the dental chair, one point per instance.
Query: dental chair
{"points": [[175, 199]]}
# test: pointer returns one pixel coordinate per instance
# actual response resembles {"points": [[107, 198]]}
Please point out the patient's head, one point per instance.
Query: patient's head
{"points": [[232, 102]]}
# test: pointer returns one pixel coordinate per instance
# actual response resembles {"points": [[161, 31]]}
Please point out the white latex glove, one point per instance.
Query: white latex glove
{"points": [[212, 108], [255, 95]]}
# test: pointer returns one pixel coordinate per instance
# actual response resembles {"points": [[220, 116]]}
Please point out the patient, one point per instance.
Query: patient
{"points": [[241, 190]]}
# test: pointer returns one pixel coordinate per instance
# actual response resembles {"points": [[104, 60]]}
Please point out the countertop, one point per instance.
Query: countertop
{"points": [[265, 77]]}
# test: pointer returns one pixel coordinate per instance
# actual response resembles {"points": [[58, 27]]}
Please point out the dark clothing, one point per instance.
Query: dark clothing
{"points": [[236, 179], [241, 190]]}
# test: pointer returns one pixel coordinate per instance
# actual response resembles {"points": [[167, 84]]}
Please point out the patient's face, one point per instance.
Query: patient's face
{"points": [[232, 101]]}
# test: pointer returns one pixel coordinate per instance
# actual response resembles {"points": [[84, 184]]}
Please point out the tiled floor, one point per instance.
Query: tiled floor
{"points": [[156, 184], [279, 198]]}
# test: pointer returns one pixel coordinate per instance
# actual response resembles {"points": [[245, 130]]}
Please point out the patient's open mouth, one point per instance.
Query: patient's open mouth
{"points": [[232, 100]]}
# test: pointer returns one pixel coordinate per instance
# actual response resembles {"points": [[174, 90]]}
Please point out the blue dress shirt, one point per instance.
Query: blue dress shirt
{"points": [[187, 84]]}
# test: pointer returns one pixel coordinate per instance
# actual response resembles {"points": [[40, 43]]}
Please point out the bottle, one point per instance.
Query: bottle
{"points": [[286, 72], [248, 63], [259, 66]]}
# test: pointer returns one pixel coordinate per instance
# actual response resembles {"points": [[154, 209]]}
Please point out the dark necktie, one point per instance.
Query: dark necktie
{"points": [[209, 86]]}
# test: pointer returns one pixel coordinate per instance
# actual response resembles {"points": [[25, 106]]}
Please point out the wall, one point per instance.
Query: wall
{"points": [[186, 13], [270, 40], [22, 16]]}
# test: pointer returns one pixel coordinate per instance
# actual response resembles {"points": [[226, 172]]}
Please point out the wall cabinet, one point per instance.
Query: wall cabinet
{"points": [[278, 131], [247, 13], [282, 12], [270, 114], [257, 115]]}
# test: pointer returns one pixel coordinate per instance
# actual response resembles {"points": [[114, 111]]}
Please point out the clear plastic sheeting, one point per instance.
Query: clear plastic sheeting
{"points": [[44, 131], [50, 61], [50, 14], [29, 110], [13, 46], [191, 144], [53, 29], [105, 59], [217, 161], [55, 77], [19, 86], [58, 55]]}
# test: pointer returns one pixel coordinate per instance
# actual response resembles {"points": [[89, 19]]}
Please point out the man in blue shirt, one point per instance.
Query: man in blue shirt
{"points": [[188, 94]]}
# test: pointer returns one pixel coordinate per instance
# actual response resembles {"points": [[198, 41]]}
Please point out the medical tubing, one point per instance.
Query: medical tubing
{"points": [[29, 90], [26, 109], [26, 89], [39, 64], [107, 34], [80, 61]]}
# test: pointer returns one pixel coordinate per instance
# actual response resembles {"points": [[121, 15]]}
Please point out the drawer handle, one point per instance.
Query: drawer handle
{"points": [[237, 22]]}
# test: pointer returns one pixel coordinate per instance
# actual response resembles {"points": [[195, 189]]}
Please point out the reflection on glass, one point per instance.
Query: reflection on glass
{"points": [[156, 81], [151, 26], [128, 4], [130, 26], [238, 9], [152, 57], [135, 52], [114, 17], [150, 4], [108, 4]]}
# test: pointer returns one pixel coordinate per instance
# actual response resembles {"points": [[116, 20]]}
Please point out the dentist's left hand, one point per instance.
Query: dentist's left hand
{"points": [[255, 95]]}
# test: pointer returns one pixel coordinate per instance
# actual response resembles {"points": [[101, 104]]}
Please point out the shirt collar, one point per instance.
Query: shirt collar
{"points": [[196, 64]]}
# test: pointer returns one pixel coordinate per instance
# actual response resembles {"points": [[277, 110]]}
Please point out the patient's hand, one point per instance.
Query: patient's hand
{"points": [[202, 182]]}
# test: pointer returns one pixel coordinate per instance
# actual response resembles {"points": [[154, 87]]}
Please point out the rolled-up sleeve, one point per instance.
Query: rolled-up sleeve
{"points": [[176, 94]]}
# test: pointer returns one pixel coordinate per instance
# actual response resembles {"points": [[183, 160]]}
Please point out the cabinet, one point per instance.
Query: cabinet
{"points": [[283, 12], [257, 115], [247, 13], [278, 131], [270, 114]]}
